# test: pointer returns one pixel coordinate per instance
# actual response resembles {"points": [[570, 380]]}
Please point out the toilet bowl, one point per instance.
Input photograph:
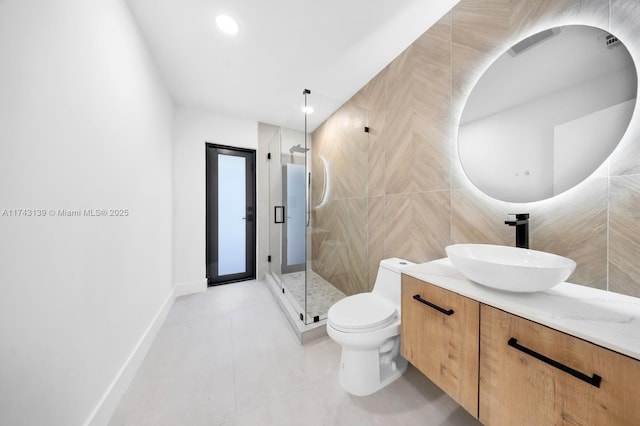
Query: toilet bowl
{"points": [[367, 326]]}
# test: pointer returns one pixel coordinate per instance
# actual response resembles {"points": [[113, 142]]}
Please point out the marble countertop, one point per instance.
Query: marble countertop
{"points": [[605, 318]]}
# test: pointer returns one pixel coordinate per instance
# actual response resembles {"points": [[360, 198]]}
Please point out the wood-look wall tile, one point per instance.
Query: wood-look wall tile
{"points": [[625, 20], [477, 219], [362, 98], [574, 225], [625, 24], [342, 142], [377, 121], [487, 25], [417, 225], [376, 237], [418, 123], [340, 247], [319, 234], [624, 235]]}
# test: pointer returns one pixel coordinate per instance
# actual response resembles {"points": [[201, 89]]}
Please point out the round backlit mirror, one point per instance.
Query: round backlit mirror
{"points": [[547, 113]]}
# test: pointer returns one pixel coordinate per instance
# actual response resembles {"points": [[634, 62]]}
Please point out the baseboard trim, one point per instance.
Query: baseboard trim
{"points": [[101, 415], [191, 287]]}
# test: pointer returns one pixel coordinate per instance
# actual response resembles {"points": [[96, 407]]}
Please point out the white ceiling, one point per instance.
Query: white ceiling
{"points": [[331, 47]]}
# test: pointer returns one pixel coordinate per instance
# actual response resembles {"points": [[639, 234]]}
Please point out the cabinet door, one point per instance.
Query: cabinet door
{"points": [[533, 375], [440, 333]]}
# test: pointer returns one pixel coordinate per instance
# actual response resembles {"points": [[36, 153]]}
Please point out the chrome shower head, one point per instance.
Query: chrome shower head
{"points": [[298, 148]]}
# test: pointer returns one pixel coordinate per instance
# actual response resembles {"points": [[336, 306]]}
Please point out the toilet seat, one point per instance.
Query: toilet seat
{"points": [[361, 312]]}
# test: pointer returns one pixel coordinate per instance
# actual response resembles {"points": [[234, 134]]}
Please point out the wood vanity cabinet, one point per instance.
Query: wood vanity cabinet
{"points": [[440, 336], [533, 375]]}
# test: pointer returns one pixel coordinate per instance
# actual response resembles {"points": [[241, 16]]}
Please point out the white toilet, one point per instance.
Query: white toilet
{"points": [[367, 326]]}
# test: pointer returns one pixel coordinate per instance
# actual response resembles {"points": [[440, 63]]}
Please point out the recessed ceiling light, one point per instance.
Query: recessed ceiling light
{"points": [[307, 109], [227, 24]]}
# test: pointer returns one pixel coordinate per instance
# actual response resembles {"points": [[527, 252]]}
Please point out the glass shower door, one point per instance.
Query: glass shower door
{"points": [[287, 216], [319, 218], [341, 243], [276, 208]]}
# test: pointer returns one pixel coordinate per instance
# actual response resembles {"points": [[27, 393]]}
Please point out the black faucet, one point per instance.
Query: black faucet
{"points": [[522, 229]]}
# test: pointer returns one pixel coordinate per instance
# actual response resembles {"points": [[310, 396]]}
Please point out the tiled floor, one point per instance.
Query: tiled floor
{"points": [[227, 357], [319, 293]]}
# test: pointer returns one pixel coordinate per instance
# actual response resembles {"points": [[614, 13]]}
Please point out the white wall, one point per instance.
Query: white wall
{"points": [[85, 123], [192, 129]]}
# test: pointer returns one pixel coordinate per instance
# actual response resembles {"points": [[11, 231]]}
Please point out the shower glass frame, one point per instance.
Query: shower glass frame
{"points": [[335, 213]]}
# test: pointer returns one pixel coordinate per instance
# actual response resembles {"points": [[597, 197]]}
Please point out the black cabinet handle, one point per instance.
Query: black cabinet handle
{"points": [[593, 380], [436, 307]]}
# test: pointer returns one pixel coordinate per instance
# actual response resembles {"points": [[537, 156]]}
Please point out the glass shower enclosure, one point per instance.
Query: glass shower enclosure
{"points": [[318, 225], [288, 215]]}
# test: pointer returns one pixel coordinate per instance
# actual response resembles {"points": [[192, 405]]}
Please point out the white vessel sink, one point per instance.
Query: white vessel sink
{"points": [[510, 268]]}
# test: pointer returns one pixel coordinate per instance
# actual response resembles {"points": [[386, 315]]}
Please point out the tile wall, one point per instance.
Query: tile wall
{"points": [[339, 215], [399, 190]]}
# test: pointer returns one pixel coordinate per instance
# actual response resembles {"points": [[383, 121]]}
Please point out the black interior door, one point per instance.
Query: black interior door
{"points": [[231, 214]]}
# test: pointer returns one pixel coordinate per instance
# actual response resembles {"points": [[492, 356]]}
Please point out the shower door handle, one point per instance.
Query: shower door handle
{"points": [[278, 214], [308, 199]]}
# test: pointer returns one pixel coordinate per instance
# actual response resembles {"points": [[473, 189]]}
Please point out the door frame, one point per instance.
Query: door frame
{"points": [[212, 150]]}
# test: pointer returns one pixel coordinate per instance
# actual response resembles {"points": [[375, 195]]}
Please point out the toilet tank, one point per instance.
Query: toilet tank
{"points": [[388, 279]]}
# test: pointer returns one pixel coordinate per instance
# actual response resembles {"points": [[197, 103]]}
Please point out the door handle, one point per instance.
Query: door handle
{"points": [[276, 210]]}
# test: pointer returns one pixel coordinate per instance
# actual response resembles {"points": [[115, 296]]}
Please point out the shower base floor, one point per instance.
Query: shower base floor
{"points": [[321, 294]]}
